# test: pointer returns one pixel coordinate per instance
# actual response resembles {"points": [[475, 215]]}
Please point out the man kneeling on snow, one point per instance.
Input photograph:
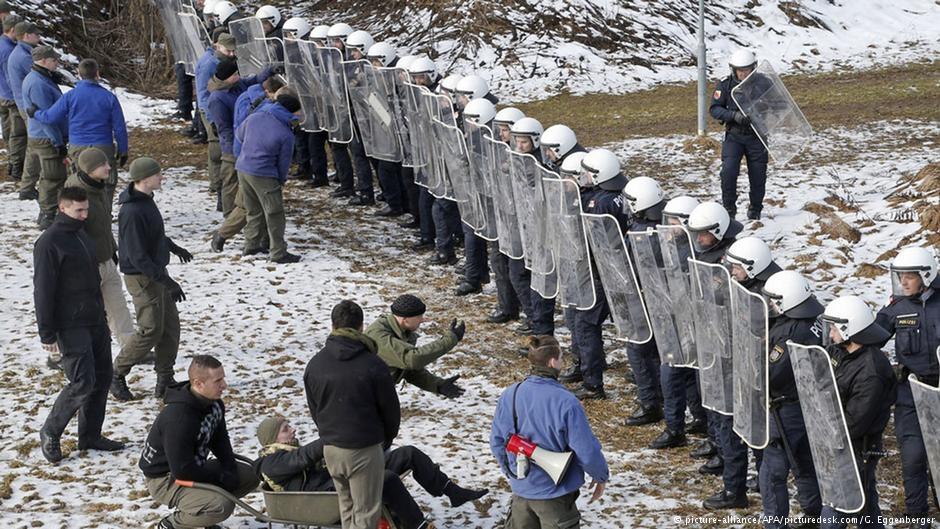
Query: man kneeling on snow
{"points": [[284, 465]]}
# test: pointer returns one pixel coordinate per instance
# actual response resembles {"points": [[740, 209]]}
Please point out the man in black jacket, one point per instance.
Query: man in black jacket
{"points": [[352, 399], [190, 426], [144, 251], [71, 319], [284, 465]]}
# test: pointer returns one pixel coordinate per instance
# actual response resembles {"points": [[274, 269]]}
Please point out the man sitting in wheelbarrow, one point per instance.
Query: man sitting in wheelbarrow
{"points": [[285, 465]]}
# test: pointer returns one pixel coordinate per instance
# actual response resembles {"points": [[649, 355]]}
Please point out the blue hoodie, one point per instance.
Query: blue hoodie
{"points": [[244, 107], [205, 69], [41, 91], [267, 143], [7, 45], [94, 116], [551, 417], [18, 66], [221, 107]]}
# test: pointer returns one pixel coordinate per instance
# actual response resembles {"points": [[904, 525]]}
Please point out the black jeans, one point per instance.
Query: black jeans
{"points": [[394, 493], [86, 360]]}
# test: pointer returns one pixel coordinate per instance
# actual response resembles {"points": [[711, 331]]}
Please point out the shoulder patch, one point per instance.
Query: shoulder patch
{"points": [[776, 353], [717, 94]]}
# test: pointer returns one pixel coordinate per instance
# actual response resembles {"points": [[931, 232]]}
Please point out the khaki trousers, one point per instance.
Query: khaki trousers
{"points": [[556, 513], [158, 328], [264, 207], [115, 304], [358, 475], [199, 508], [52, 174], [30, 161]]}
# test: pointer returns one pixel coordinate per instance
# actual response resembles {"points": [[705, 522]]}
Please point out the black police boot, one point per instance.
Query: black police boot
{"points": [[49, 445], [732, 211], [713, 466], [725, 500], [753, 214], [466, 288], [380, 197], [159, 391], [103, 444], [443, 258], [422, 245], [668, 439], [697, 427], [587, 392], [498, 316], [119, 389], [705, 450], [342, 193], [217, 242], [524, 327], [389, 212], [410, 224], [318, 183], [642, 416], [360, 200], [571, 375]]}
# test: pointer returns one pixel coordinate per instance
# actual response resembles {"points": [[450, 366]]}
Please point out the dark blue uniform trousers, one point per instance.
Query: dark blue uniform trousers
{"points": [[520, 277], [777, 465], [506, 298], [476, 270], [735, 147], [391, 182], [680, 391], [590, 340], [645, 365], [446, 224], [734, 452], [914, 468]]}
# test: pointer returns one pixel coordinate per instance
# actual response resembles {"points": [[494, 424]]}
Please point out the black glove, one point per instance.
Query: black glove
{"points": [[458, 328], [449, 389], [741, 119], [174, 288], [122, 159], [181, 252], [31, 111]]}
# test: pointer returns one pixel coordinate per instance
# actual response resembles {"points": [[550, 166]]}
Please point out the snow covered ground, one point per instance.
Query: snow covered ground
{"points": [[264, 322]]}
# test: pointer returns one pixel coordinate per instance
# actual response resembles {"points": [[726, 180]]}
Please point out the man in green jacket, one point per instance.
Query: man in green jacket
{"points": [[397, 338]]}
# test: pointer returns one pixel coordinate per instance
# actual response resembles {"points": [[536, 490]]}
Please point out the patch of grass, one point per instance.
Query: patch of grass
{"points": [[846, 98]]}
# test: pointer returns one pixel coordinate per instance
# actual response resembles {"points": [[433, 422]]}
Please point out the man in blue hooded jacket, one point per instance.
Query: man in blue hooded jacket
{"points": [[95, 119], [15, 138], [267, 139], [222, 48], [541, 411], [17, 67], [41, 90]]}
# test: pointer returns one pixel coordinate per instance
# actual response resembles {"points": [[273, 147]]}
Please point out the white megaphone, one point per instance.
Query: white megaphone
{"points": [[555, 464]]}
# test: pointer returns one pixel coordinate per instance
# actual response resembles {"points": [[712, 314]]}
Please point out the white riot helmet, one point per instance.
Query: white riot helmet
{"points": [[790, 294], [480, 111], [679, 209], [208, 8], [604, 169], [360, 40], [320, 32], [913, 260], [530, 128], [339, 32], [642, 193], [448, 84], [710, 217], [269, 13], [854, 320], [742, 58], [472, 87], [405, 62], [298, 25], [225, 11], [751, 254], [423, 66], [560, 139], [382, 52], [571, 168], [508, 116]]}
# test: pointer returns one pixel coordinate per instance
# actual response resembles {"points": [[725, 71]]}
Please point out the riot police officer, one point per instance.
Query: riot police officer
{"points": [[794, 311], [913, 317], [740, 140]]}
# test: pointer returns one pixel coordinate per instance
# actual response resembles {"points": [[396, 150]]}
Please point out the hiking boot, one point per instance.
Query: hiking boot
{"points": [[287, 258], [465, 288], [54, 363], [49, 445], [643, 416], [159, 390], [119, 389], [668, 439], [103, 444], [255, 251], [725, 500], [217, 242], [44, 221], [29, 194]]}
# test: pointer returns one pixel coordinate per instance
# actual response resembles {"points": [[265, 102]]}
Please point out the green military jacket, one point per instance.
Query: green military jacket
{"points": [[98, 223], [405, 359]]}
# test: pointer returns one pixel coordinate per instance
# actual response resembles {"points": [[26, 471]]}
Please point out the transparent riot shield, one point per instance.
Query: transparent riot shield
{"points": [[398, 77], [565, 232], [676, 248], [482, 179], [418, 121], [443, 125], [526, 176], [657, 296], [195, 41], [299, 67], [711, 311], [840, 483], [252, 51], [385, 117], [749, 339], [337, 118], [616, 272], [927, 403], [775, 117], [507, 220], [172, 17], [356, 78]]}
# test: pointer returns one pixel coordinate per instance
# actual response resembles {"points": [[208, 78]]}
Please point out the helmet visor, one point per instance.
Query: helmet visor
{"points": [[907, 281]]}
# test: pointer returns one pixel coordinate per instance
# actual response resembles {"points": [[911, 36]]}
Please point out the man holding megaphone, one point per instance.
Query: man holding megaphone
{"points": [[544, 444]]}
